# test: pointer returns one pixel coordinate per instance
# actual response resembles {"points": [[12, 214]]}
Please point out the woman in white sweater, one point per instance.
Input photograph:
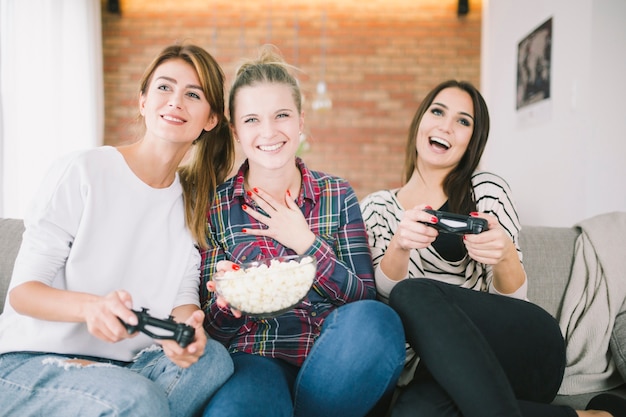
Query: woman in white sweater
{"points": [[108, 233], [477, 347]]}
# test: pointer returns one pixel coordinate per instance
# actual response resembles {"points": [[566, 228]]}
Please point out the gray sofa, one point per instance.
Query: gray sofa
{"points": [[548, 255]]}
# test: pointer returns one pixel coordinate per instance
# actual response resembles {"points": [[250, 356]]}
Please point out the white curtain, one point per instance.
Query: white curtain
{"points": [[51, 90]]}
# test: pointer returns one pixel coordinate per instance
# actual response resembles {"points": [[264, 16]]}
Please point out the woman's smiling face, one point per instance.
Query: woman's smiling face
{"points": [[267, 124], [174, 106], [445, 129]]}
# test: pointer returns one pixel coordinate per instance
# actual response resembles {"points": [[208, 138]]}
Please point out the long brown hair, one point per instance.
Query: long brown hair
{"points": [[213, 154], [457, 185]]}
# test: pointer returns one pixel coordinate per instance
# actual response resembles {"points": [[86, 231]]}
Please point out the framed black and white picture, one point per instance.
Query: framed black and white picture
{"points": [[533, 66]]}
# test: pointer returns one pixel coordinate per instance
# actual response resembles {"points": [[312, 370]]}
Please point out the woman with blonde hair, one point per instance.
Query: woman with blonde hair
{"points": [[337, 351]]}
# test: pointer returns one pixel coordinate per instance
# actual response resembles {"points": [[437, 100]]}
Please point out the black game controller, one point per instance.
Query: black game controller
{"points": [[457, 223], [180, 332]]}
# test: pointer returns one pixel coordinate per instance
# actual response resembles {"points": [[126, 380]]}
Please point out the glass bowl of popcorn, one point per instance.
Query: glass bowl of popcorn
{"points": [[268, 287]]}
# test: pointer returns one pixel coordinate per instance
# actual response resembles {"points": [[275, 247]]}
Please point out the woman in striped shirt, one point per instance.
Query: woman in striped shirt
{"points": [[480, 349]]}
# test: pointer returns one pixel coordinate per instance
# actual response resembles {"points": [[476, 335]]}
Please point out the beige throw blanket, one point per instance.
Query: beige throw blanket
{"points": [[592, 300]]}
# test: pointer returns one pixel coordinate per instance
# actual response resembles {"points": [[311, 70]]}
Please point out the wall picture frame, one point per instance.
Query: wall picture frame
{"points": [[534, 59]]}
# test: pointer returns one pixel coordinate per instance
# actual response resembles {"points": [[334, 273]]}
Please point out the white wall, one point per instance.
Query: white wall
{"points": [[51, 94], [565, 158]]}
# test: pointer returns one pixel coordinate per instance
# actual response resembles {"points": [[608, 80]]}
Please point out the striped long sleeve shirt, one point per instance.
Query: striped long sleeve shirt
{"points": [[382, 214], [344, 264]]}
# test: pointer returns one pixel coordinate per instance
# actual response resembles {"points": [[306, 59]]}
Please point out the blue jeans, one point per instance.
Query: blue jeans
{"points": [[46, 384], [354, 362], [481, 354]]}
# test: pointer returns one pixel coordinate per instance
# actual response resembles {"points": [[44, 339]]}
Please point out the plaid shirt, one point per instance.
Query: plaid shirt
{"points": [[344, 264]]}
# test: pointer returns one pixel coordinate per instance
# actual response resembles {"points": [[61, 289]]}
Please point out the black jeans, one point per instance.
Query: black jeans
{"points": [[482, 355]]}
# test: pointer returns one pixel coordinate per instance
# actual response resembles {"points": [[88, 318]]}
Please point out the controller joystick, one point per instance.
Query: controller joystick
{"points": [[182, 333], [457, 223]]}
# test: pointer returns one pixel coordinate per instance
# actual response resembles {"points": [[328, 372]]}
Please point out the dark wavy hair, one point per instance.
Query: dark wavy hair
{"points": [[457, 185]]}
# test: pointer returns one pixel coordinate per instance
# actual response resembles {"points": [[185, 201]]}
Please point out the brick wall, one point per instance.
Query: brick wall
{"points": [[381, 57]]}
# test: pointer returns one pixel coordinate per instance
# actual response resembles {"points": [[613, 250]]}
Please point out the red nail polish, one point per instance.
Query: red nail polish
{"points": [[289, 193], [249, 193], [256, 190], [473, 214], [244, 207], [434, 219], [243, 230], [235, 267], [428, 208]]}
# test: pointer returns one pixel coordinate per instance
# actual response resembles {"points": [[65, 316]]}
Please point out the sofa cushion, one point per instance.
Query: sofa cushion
{"points": [[10, 240], [548, 256]]}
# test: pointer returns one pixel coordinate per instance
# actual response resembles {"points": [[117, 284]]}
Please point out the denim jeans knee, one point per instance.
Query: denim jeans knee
{"points": [[188, 390], [356, 360], [33, 384]]}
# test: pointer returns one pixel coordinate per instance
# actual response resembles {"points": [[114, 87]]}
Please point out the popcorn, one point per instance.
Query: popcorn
{"points": [[269, 286]]}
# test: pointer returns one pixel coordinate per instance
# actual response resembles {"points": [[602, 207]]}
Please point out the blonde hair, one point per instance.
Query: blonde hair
{"points": [[269, 67]]}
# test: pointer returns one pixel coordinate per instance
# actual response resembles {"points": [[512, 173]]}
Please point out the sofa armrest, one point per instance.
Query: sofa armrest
{"points": [[548, 256], [11, 231]]}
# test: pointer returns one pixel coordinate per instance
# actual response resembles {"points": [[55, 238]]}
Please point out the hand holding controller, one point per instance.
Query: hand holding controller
{"points": [[457, 223], [180, 332]]}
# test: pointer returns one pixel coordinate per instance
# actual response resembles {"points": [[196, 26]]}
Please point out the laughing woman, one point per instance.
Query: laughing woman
{"points": [[480, 349]]}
